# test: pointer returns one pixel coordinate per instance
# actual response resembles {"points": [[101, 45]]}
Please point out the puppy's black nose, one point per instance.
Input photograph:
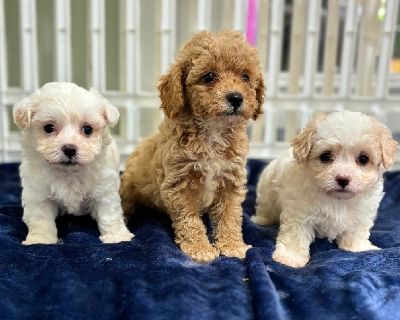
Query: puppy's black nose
{"points": [[235, 99], [342, 181], [69, 150]]}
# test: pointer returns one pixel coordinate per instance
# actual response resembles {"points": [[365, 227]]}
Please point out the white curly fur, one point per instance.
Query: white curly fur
{"points": [[302, 194], [52, 187]]}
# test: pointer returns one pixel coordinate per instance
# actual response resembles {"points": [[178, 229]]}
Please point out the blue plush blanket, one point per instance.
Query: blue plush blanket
{"points": [[150, 278]]}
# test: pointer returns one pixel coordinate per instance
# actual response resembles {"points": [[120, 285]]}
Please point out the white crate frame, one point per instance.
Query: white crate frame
{"points": [[133, 99]]}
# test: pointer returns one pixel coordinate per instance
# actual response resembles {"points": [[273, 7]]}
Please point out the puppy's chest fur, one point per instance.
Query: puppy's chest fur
{"points": [[210, 176], [72, 193], [213, 172], [331, 220], [204, 162], [332, 217]]}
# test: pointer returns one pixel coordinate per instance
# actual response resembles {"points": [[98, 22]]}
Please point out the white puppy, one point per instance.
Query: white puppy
{"points": [[70, 163], [329, 185]]}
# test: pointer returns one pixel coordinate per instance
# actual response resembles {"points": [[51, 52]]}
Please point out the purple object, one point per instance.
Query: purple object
{"points": [[251, 24]]}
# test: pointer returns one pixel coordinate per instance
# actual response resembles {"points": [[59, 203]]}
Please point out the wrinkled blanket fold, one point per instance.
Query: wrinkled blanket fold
{"points": [[150, 278]]}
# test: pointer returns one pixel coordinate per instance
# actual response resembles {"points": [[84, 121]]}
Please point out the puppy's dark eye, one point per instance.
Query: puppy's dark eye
{"points": [[245, 77], [48, 128], [326, 157], [209, 77], [362, 159], [87, 130]]}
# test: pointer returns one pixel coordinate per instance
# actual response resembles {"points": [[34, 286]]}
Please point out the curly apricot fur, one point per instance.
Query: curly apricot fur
{"points": [[195, 164]]}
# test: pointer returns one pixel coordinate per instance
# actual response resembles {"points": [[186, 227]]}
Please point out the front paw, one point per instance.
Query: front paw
{"points": [[261, 220], [290, 258], [358, 246], [200, 252], [38, 238], [124, 235], [236, 250]]}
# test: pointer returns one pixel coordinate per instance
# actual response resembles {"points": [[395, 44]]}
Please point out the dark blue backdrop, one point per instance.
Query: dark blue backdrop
{"points": [[150, 278]]}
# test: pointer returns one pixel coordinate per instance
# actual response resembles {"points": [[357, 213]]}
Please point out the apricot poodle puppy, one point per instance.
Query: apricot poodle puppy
{"points": [[195, 164]]}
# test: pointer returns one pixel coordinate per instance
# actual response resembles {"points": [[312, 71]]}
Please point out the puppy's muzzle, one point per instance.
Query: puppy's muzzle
{"points": [[343, 182], [235, 100], [69, 151]]}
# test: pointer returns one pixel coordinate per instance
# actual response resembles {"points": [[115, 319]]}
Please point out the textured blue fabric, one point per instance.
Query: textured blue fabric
{"points": [[150, 278]]}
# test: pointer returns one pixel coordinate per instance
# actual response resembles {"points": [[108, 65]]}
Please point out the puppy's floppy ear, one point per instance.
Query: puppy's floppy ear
{"points": [[389, 148], [304, 141], [109, 111], [172, 91], [23, 111], [260, 94]]}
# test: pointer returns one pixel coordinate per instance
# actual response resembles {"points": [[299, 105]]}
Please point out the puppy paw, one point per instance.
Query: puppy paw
{"points": [[358, 246], [40, 239], [261, 220], [118, 237], [202, 254], [290, 258], [373, 247], [234, 250]]}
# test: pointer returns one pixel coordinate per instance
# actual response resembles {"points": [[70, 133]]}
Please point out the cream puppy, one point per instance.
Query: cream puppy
{"points": [[70, 163], [328, 185]]}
